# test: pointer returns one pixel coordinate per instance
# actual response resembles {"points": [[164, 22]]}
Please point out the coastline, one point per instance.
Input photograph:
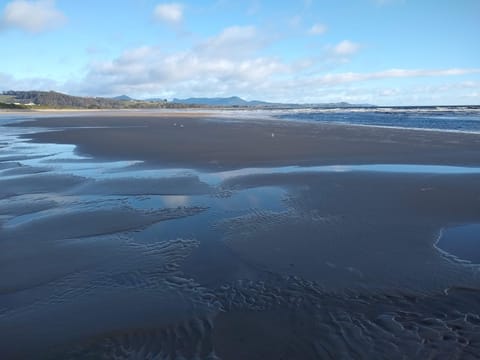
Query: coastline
{"points": [[264, 114], [207, 141]]}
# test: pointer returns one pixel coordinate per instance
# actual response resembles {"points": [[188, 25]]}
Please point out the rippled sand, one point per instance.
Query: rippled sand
{"points": [[142, 243]]}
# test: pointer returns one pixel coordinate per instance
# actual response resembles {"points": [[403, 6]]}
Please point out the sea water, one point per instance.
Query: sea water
{"points": [[465, 119]]}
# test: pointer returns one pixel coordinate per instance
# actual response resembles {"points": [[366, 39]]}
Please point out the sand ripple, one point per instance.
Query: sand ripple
{"points": [[298, 319]]}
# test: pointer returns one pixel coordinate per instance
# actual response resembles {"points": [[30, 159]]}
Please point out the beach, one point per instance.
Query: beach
{"points": [[205, 142], [227, 236]]}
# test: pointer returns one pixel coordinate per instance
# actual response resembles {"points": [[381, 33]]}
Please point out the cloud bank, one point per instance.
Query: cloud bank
{"points": [[234, 63], [238, 60]]}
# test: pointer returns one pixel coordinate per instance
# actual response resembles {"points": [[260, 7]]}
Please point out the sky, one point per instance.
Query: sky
{"points": [[383, 52]]}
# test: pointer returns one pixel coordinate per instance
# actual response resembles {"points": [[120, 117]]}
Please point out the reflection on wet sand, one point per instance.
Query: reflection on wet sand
{"points": [[461, 242], [119, 259]]}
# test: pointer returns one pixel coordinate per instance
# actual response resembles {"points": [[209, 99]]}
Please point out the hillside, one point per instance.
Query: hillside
{"points": [[52, 99], [59, 100]]}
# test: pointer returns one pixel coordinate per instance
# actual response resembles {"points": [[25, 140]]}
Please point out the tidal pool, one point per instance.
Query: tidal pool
{"points": [[463, 242]]}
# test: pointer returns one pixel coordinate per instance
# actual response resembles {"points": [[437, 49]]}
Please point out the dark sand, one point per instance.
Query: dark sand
{"points": [[298, 265], [227, 144], [361, 230]]}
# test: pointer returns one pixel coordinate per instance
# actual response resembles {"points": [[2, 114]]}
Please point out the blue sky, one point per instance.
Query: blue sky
{"points": [[385, 52]]}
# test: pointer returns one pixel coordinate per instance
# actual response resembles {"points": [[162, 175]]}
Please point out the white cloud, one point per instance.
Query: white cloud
{"points": [[171, 13], [386, 95], [32, 16], [234, 62], [406, 73], [317, 29], [146, 71], [340, 79], [230, 64], [226, 63], [345, 48], [475, 95], [233, 42]]}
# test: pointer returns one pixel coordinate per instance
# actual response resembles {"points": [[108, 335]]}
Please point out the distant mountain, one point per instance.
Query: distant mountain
{"points": [[123, 98], [237, 101], [227, 101], [52, 99]]}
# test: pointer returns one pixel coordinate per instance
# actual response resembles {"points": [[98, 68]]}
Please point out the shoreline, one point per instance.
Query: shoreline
{"points": [[227, 113], [205, 141]]}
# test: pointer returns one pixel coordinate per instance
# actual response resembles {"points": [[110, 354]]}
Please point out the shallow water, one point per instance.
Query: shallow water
{"points": [[115, 260], [463, 242]]}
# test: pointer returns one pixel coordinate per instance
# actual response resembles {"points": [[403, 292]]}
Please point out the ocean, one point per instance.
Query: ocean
{"points": [[464, 119]]}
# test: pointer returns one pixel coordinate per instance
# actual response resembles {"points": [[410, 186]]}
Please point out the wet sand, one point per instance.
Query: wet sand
{"points": [[361, 230], [102, 257], [215, 143]]}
